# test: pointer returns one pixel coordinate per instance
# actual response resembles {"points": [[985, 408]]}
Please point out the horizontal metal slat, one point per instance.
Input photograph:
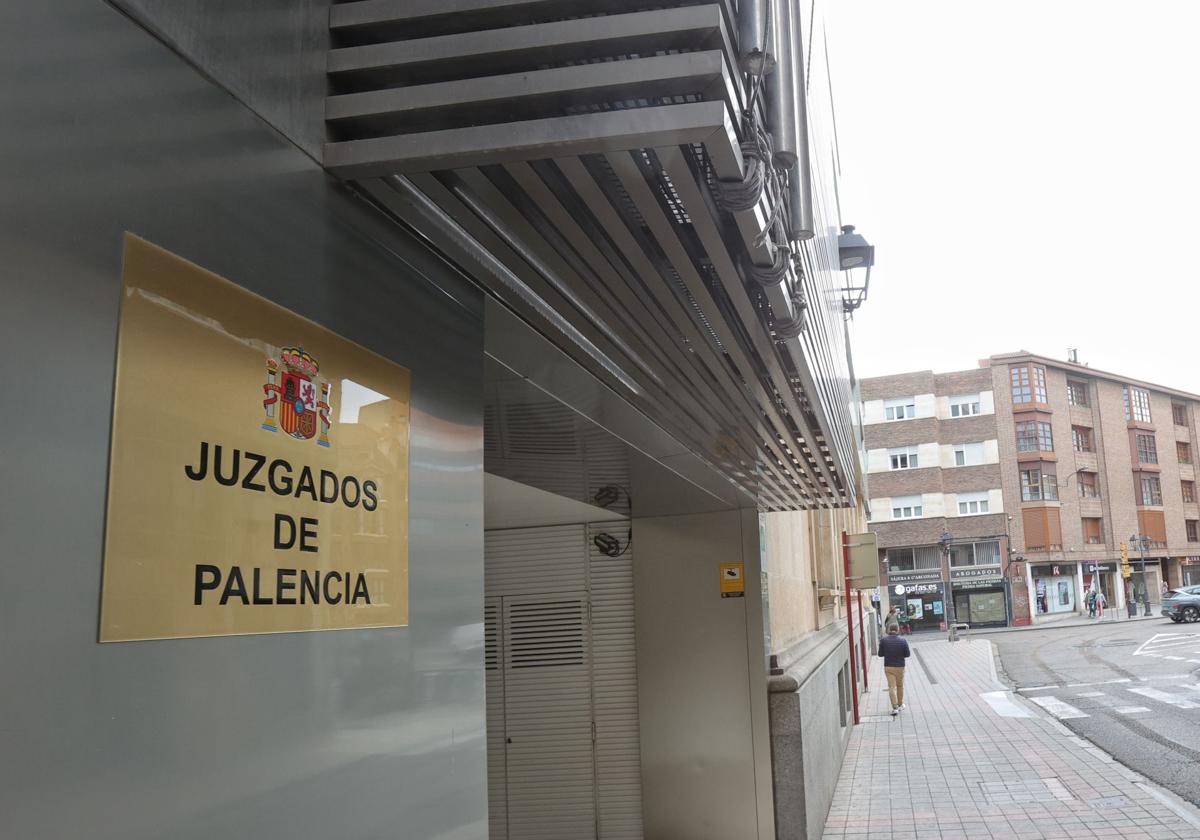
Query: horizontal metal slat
{"points": [[529, 95], [494, 51], [696, 122], [419, 18]]}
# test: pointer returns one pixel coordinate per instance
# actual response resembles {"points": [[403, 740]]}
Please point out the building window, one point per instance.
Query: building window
{"points": [[906, 507], [1028, 384], [1179, 414], [903, 459], [1093, 532], [901, 409], [1088, 488], [975, 554], [1193, 530], [900, 560], [1081, 439], [1137, 404], [1077, 393], [1147, 450], [971, 504], [967, 406], [968, 454], [1189, 490], [1151, 491], [910, 559], [1183, 451], [1037, 486], [1034, 436]]}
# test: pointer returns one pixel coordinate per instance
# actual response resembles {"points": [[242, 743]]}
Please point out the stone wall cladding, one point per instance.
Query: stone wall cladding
{"points": [[1116, 464], [906, 482], [915, 532], [897, 385], [966, 479], [1068, 490], [908, 532], [900, 433], [967, 429], [1168, 462], [962, 382], [1006, 436]]}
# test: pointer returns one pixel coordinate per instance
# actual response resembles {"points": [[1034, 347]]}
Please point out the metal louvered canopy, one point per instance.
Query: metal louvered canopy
{"points": [[569, 155]]}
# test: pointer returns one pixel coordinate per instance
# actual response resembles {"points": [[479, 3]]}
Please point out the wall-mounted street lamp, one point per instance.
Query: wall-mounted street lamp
{"points": [[855, 252]]}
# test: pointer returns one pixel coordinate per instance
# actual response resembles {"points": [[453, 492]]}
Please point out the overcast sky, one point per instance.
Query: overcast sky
{"points": [[1028, 172]]}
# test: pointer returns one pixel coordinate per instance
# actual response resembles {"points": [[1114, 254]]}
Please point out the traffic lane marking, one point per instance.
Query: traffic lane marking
{"points": [[1002, 704], [1164, 697], [1059, 708], [1104, 682]]}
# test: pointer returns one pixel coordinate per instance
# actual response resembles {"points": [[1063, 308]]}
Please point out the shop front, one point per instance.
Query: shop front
{"points": [[979, 596], [919, 595], [1054, 587], [922, 605], [1144, 585], [1189, 571], [1106, 573]]}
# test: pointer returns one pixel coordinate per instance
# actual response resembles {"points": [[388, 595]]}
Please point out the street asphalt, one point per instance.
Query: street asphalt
{"points": [[1131, 689]]}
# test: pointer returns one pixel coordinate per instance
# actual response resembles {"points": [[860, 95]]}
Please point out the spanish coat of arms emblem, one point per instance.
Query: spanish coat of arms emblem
{"points": [[297, 402]]}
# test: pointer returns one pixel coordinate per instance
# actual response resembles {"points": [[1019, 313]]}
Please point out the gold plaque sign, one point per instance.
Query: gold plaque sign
{"points": [[259, 466]]}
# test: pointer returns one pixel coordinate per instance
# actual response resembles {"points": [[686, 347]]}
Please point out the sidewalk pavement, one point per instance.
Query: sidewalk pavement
{"points": [[968, 759]]}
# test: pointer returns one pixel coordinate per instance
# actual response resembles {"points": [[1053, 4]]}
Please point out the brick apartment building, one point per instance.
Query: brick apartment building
{"points": [[933, 467], [1056, 461]]}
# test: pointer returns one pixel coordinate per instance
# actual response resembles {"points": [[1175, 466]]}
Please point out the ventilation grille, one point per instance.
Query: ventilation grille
{"points": [[491, 636], [544, 429], [546, 634]]}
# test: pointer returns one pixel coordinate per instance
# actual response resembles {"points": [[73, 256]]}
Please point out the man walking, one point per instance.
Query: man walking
{"points": [[891, 624], [894, 651]]}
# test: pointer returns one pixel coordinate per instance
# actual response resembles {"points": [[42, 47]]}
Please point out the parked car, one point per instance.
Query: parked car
{"points": [[1182, 604]]}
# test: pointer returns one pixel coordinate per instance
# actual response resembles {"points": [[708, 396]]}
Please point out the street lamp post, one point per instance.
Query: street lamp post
{"points": [[1141, 541], [952, 634]]}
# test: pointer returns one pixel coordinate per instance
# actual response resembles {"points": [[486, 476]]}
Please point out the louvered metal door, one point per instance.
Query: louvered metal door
{"points": [[493, 660], [541, 573], [548, 717], [614, 691]]}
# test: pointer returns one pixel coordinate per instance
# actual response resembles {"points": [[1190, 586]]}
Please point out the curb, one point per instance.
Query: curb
{"points": [[1063, 626], [1183, 809]]}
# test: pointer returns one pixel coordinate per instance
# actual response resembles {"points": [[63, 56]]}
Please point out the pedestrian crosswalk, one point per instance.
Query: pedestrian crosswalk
{"points": [[1164, 697], [1177, 647], [1121, 697]]}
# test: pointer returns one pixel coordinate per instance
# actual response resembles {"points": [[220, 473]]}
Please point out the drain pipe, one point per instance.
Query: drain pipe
{"points": [[800, 179], [756, 58], [781, 87], [849, 621]]}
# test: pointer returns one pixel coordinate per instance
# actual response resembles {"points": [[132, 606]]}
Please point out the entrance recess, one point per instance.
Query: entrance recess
{"points": [[563, 749]]}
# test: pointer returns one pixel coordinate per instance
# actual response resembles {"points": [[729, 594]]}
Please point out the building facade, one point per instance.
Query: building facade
{"points": [[540, 268], [937, 504], [1097, 463], [1067, 470]]}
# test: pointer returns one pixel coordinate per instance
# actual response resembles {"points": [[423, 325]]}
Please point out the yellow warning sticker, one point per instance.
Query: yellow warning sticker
{"points": [[733, 580]]}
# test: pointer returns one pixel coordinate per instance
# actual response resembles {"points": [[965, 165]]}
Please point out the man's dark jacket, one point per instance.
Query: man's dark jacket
{"points": [[894, 651]]}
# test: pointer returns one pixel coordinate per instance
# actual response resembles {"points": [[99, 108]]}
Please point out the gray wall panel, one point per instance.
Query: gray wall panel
{"points": [[346, 734], [269, 53], [698, 710]]}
